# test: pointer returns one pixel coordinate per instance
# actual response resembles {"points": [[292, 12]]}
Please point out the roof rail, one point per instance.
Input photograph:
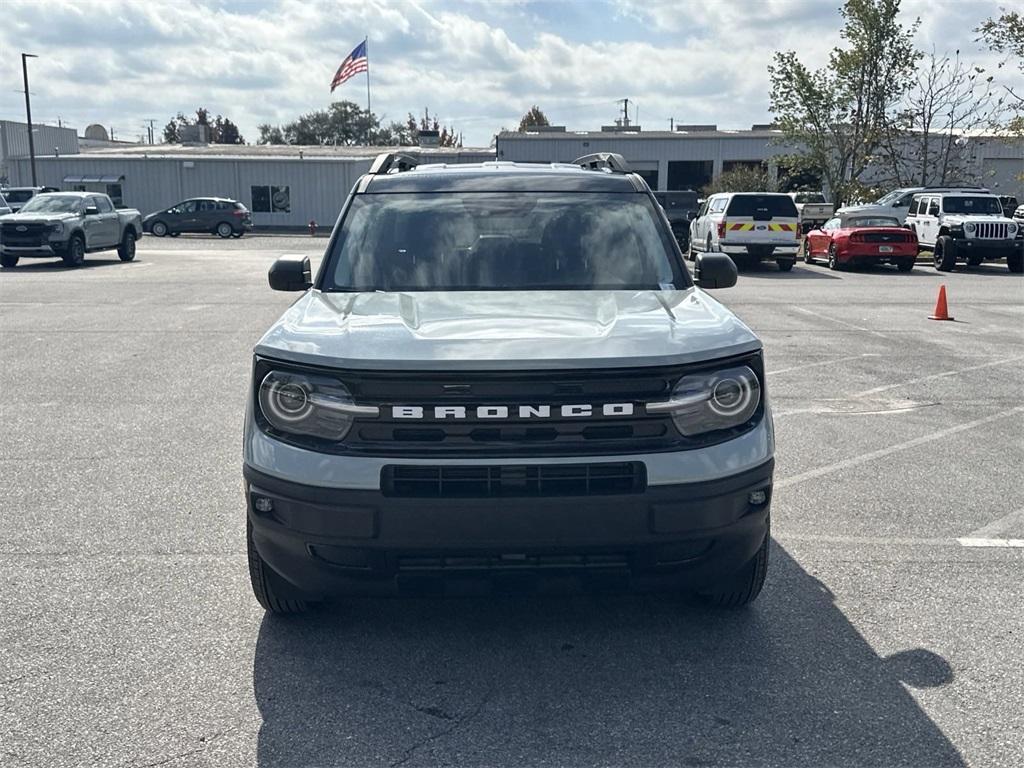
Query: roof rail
{"points": [[388, 162], [954, 187], [608, 161]]}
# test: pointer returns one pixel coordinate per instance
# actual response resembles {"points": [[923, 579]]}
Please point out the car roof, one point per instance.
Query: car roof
{"points": [[500, 176]]}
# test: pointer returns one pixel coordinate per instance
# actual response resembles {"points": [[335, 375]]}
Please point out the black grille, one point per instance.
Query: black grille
{"points": [[555, 435], [23, 235], [448, 482]]}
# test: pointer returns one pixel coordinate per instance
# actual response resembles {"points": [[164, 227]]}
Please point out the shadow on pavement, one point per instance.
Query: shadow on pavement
{"points": [[593, 680], [56, 265], [771, 271]]}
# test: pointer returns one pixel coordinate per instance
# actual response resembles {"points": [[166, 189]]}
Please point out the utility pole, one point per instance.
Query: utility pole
{"points": [[671, 124], [149, 132], [28, 115]]}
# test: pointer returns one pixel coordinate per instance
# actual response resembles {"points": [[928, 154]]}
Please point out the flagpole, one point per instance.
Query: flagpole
{"points": [[366, 47]]}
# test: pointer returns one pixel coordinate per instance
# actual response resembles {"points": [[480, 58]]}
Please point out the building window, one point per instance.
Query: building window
{"points": [[689, 174], [271, 199], [651, 177], [115, 195]]}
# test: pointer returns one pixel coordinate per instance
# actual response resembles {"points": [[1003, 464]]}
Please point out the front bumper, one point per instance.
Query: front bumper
{"points": [[331, 541], [36, 252], [988, 249]]}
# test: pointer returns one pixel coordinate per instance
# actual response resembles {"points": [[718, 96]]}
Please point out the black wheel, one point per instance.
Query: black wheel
{"points": [[808, 259], [7, 261], [225, 230], [745, 585], [833, 258], [74, 255], [126, 250], [1014, 262], [945, 254], [159, 229], [264, 580], [905, 265], [785, 266]]}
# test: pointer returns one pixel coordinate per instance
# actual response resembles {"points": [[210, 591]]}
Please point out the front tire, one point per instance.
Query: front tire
{"points": [[1014, 262], [126, 250], [159, 229], [75, 253], [808, 258], [7, 261], [945, 254], [263, 583], [743, 587], [225, 230]]}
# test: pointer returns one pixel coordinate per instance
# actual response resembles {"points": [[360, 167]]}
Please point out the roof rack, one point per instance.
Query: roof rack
{"points": [[954, 187], [607, 161], [388, 162]]}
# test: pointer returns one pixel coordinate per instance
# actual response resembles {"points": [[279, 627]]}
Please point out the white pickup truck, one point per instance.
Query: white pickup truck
{"points": [[814, 209]]}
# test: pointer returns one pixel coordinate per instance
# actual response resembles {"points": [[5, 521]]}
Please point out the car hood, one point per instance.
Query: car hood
{"points": [[508, 330], [39, 218], [963, 218]]}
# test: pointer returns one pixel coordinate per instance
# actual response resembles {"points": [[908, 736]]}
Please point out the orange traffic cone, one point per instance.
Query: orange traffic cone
{"points": [[941, 312]]}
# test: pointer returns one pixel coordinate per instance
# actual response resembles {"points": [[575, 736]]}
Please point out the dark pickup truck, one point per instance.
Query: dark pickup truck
{"points": [[68, 225], [680, 207]]}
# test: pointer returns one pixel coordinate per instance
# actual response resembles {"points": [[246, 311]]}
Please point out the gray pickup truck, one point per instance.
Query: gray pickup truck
{"points": [[68, 225]]}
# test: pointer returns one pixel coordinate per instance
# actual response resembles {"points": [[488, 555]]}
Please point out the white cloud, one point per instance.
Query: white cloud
{"points": [[477, 64]]}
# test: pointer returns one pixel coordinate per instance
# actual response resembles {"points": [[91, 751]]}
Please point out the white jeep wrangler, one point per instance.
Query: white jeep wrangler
{"points": [[966, 226]]}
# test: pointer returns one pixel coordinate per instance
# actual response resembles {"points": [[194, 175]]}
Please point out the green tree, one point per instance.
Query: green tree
{"points": [[741, 179], [1006, 35], [532, 119], [447, 136], [837, 117], [221, 129]]}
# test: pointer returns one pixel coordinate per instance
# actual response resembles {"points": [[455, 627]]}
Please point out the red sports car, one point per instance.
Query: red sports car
{"points": [[853, 239]]}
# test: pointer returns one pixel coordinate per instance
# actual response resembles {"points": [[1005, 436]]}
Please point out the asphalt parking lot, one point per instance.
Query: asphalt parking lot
{"points": [[890, 631]]}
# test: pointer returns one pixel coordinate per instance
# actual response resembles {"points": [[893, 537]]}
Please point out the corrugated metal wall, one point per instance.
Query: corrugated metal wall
{"points": [[317, 186], [14, 143]]}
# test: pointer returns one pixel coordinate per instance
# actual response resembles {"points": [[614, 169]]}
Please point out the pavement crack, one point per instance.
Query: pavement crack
{"points": [[456, 723]]}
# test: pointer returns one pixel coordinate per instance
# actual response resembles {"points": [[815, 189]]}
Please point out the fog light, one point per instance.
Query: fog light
{"points": [[757, 498], [263, 504]]}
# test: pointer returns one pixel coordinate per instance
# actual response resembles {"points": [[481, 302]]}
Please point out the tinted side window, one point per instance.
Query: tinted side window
{"points": [[933, 207], [102, 203]]}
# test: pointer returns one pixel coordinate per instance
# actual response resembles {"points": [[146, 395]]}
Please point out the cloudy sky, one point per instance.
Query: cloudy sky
{"points": [[478, 64]]}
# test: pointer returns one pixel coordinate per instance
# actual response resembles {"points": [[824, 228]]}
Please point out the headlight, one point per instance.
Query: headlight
{"points": [[1011, 229], [712, 400], [969, 227], [308, 404], [56, 229]]}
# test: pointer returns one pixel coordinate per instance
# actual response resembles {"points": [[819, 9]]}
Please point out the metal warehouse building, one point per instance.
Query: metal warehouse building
{"points": [[283, 186], [47, 139], [692, 155]]}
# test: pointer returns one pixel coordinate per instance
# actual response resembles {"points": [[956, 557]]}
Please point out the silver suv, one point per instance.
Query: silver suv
{"points": [[967, 226], [505, 371]]}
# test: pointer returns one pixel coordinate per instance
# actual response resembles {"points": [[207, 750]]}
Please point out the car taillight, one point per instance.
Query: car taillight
{"points": [[239, 214], [856, 238], [721, 229]]}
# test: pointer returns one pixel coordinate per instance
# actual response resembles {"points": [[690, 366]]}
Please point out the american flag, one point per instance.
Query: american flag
{"points": [[355, 63]]}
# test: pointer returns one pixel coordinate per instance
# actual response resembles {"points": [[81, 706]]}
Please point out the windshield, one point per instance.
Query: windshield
{"points": [[809, 197], [53, 204], [762, 207], [502, 241], [871, 221], [889, 198], [18, 195], [974, 204]]}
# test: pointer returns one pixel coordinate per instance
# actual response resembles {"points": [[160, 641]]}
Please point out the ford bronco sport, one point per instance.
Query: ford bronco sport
{"points": [[504, 372]]}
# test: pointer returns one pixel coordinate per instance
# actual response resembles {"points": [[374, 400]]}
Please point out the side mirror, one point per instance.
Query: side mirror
{"points": [[714, 270], [290, 272], [92, 210]]}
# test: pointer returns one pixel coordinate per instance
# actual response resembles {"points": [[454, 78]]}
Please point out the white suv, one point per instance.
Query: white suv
{"points": [[966, 226], [897, 203], [748, 225]]}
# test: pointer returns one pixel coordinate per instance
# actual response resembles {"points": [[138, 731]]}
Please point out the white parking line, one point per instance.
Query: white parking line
{"points": [[873, 455], [968, 542], [823, 362], [944, 374], [840, 322], [998, 533]]}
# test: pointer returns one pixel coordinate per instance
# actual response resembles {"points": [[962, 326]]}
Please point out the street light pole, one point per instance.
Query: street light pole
{"points": [[28, 114]]}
